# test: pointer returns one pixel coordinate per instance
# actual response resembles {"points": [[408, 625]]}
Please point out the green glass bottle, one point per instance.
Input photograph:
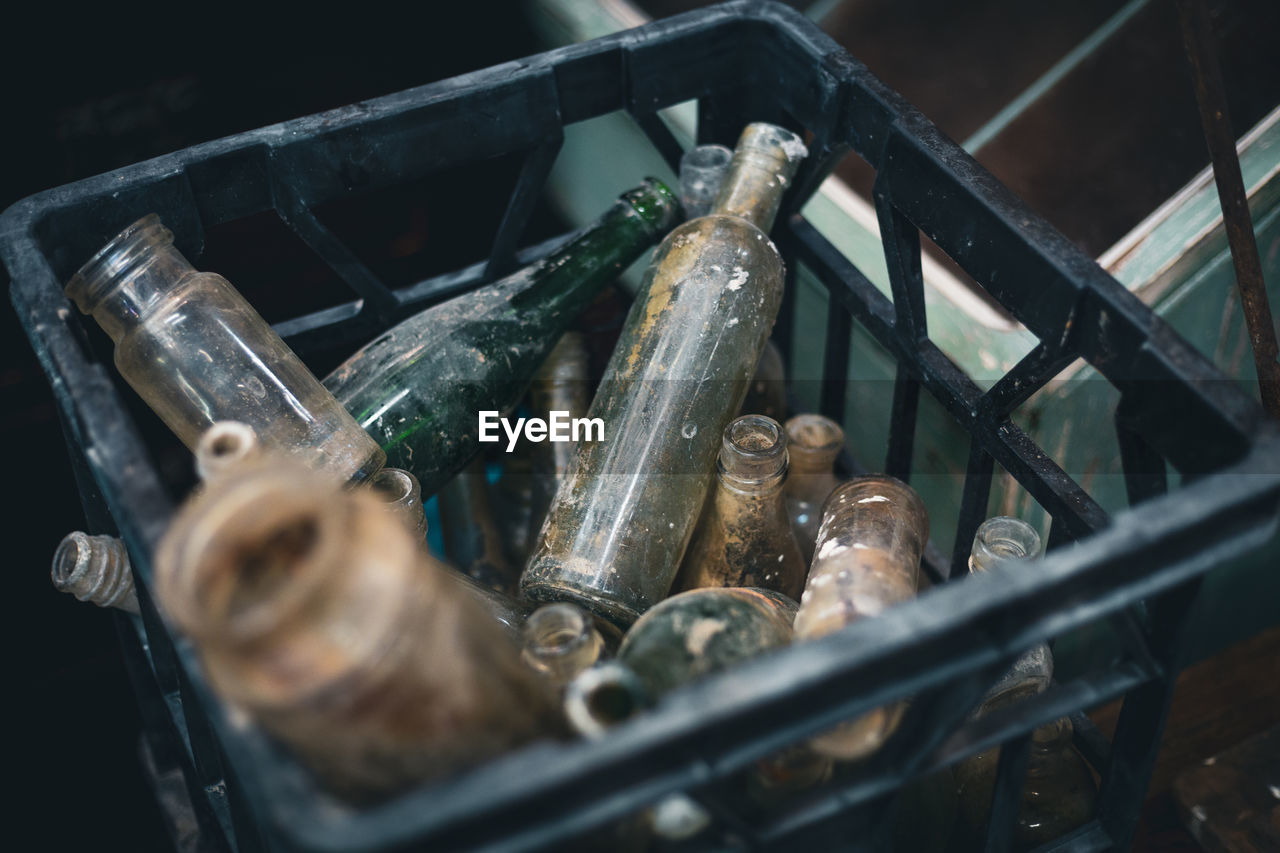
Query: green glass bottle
{"points": [[419, 387]]}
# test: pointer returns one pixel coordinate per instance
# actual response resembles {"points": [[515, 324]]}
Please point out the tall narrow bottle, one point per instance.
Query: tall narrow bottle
{"points": [[814, 442], [873, 534], [620, 523], [560, 385], [419, 387], [316, 612], [472, 540], [1058, 792], [197, 352], [744, 537]]}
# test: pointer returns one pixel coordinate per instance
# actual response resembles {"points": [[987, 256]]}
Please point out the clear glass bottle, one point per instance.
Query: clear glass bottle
{"points": [[400, 492], [814, 442], [702, 171], [472, 540], [1058, 793], [196, 351], [560, 641], [95, 569], [620, 523], [316, 612], [767, 393], [223, 446], [560, 385], [744, 537], [419, 387], [869, 547]]}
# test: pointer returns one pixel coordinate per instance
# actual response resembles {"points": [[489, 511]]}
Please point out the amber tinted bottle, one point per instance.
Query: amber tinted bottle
{"points": [[620, 523], [744, 537], [872, 538], [560, 385], [813, 442], [315, 611], [472, 537], [197, 352]]}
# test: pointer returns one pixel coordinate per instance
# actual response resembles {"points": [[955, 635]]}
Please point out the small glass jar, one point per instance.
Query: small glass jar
{"points": [[197, 352]]}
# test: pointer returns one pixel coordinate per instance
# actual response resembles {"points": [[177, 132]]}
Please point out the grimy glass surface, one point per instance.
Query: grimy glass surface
{"points": [[419, 387], [197, 352], [317, 612], [620, 523], [744, 537], [872, 537], [814, 442], [560, 385]]}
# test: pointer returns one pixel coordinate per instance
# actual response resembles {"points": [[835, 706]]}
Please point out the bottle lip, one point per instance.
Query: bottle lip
{"points": [[656, 204], [117, 258], [814, 435], [753, 452], [1003, 538]]}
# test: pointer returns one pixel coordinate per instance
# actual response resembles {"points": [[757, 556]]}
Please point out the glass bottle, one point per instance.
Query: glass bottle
{"points": [[620, 523], [472, 540], [702, 171], [95, 569], [814, 442], [316, 612], [399, 491], [744, 537], [695, 633], [1059, 790], [560, 385], [419, 387], [869, 547], [767, 393], [560, 641], [196, 351]]}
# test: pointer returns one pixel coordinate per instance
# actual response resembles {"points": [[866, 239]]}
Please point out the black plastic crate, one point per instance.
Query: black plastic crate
{"points": [[743, 61]]}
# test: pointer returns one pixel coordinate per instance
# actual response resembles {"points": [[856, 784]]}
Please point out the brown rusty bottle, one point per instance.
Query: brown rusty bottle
{"points": [[316, 612], [813, 442], [872, 537], [744, 537], [472, 538], [620, 523], [560, 385]]}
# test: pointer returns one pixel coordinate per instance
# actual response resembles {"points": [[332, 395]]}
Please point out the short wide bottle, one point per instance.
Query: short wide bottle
{"points": [[619, 525], [196, 351], [872, 538], [744, 537], [318, 613]]}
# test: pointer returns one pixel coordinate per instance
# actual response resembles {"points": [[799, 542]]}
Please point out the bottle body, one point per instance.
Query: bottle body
{"points": [[419, 387], [472, 539], [767, 393], [197, 352], [561, 385], [869, 547], [744, 538], [620, 523], [315, 611], [814, 442]]}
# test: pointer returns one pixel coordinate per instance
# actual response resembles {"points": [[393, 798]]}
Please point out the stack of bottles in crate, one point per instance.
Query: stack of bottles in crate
{"points": [[683, 525]]}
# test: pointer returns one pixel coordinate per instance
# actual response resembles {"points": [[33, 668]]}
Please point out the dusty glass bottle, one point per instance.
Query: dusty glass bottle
{"points": [[95, 569], [744, 537], [867, 559], [702, 171], [695, 633], [399, 491], [418, 388], [1059, 790], [560, 641], [316, 612], [472, 540], [620, 523], [814, 442], [767, 393], [196, 351], [560, 385]]}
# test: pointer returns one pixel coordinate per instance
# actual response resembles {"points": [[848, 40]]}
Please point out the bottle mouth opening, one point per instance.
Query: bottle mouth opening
{"points": [[602, 697], [754, 450], [394, 485], [117, 258], [706, 157], [1005, 538], [224, 445], [68, 559], [557, 629], [657, 206]]}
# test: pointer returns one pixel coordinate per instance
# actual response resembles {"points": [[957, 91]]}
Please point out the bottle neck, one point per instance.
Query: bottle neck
{"points": [[814, 442], [763, 165], [569, 277], [129, 276], [1003, 538], [753, 456]]}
